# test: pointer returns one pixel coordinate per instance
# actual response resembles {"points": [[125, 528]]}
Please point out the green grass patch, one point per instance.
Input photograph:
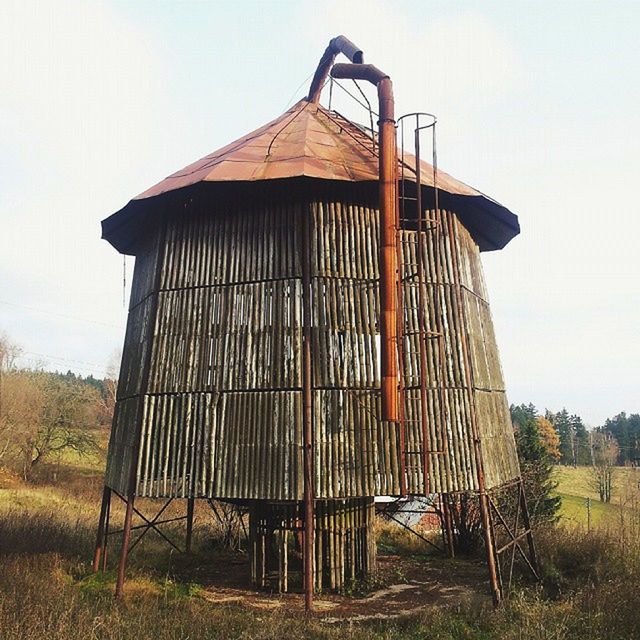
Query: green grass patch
{"points": [[574, 510], [575, 486]]}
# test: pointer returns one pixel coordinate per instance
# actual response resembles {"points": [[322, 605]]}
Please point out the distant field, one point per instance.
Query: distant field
{"points": [[575, 486]]}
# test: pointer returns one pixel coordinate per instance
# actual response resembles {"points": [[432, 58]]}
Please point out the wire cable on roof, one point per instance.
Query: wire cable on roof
{"points": [[362, 104], [280, 131], [373, 138], [293, 95]]}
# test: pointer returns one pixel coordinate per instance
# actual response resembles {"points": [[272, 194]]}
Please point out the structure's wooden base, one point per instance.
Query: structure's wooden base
{"points": [[344, 549]]}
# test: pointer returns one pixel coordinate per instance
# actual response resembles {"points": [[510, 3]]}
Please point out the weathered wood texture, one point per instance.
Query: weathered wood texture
{"points": [[222, 406], [452, 464], [344, 549]]}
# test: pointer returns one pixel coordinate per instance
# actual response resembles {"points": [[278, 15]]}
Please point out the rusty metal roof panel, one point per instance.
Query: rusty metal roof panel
{"points": [[309, 141]]}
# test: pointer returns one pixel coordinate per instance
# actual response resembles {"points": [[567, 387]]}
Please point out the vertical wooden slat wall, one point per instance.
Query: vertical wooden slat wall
{"points": [[497, 441], [138, 340], [356, 452], [222, 407], [345, 549], [223, 411]]}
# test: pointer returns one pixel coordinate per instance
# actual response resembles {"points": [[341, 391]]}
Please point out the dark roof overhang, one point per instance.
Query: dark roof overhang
{"points": [[491, 225]]}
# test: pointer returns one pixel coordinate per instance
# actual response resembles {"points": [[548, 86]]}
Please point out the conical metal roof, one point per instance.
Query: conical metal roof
{"points": [[309, 141]]}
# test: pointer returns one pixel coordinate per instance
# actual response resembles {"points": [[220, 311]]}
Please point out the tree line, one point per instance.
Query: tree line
{"points": [[561, 438], [569, 442]]}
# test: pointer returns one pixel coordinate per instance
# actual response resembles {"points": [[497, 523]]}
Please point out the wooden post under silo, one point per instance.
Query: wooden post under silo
{"points": [[307, 399], [447, 521]]}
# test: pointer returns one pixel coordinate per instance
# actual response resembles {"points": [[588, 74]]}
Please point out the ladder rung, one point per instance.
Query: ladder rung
{"points": [[413, 453], [430, 221], [426, 334]]}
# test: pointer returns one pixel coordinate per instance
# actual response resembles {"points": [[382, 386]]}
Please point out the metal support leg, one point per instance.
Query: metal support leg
{"points": [[492, 561], [533, 555], [105, 539], [101, 534], [190, 505], [124, 550]]}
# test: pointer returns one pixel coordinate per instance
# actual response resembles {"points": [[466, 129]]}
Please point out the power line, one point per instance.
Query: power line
{"points": [[61, 315], [83, 369], [71, 360]]}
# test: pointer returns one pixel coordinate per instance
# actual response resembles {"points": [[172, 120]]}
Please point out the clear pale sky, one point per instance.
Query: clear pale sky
{"points": [[538, 106]]}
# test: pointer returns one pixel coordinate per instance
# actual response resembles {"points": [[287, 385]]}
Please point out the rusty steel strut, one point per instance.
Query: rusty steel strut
{"points": [[387, 170]]}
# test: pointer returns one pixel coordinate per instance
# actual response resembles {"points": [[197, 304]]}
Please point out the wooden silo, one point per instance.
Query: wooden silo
{"points": [[253, 342]]}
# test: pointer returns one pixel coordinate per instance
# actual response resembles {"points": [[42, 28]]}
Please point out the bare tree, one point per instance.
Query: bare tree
{"points": [[110, 389], [70, 412], [605, 453], [45, 414], [9, 353]]}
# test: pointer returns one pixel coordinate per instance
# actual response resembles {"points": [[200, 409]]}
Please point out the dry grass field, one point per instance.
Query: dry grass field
{"points": [[47, 589]]}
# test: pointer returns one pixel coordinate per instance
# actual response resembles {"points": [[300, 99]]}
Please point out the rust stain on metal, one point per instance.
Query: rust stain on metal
{"points": [[388, 199]]}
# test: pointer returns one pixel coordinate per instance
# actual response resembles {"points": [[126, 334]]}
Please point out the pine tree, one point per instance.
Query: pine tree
{"points": [[581, 444], [562, 423], [626, 431], [536, 464]]}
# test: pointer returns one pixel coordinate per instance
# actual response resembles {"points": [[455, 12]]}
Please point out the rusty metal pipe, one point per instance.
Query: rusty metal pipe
{"points": [[339, 44], [387, 171]]}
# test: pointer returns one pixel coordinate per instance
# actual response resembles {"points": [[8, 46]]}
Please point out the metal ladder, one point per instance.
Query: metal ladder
{"points": [[426, 326]]}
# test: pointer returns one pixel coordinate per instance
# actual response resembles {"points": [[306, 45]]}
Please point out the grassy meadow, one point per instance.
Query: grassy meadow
{"points": [[576, 485], [47, 590]]}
